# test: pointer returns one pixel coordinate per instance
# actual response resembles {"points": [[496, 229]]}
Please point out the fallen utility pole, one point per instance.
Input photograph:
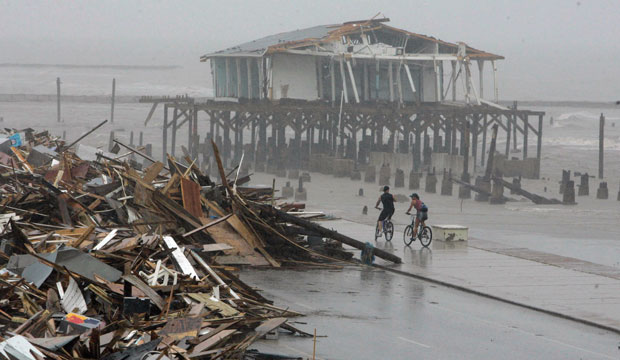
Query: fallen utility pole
{"points": [[139, 153], [88, 133], [331, 234], [536, 199], [478, 189]]}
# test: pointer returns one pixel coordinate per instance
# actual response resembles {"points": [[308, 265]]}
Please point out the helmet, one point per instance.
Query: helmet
{"points": [[415, 195], [386, 188]]}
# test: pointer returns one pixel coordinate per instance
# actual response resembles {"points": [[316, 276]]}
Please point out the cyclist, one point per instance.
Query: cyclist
{"points": [[421, 212], [387, 200]]}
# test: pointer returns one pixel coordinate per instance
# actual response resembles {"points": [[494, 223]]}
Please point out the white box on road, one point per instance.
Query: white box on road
{"points": [[450, 232]]}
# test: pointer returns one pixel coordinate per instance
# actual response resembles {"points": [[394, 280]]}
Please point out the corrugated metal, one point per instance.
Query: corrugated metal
{"points": [[257, 47]]}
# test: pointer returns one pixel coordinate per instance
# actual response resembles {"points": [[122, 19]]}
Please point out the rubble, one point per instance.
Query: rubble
{"points": [[103, 260]]}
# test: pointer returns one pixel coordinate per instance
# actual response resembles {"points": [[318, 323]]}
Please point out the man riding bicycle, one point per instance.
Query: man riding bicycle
{"points": [[421, 211], [387, 200]]}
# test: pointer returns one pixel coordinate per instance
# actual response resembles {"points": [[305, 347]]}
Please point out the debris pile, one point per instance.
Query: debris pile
{"points": [[104, 261]]}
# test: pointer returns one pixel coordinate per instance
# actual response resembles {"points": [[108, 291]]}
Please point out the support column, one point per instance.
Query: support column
{"points": [[417, 150], [190, 129], [366, 89], [175, 115], [496, 92], [474, 138], [539, 140], [165, 134], [391, 81], [344, 81], [601, 140], [508, 129], [480, 77], [332, 79], [453, 62], [448, 134], [484, 139], [525, 133], [226, 140]]}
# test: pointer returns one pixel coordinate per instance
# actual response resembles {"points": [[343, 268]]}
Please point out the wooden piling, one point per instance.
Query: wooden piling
{"points": [[58, 98], [601, 140], [112, 102]]}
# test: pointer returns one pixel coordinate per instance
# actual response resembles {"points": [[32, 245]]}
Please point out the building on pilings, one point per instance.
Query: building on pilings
{"points": [[357, 90]]}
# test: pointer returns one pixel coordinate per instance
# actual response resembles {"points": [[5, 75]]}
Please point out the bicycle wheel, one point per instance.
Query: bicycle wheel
{"points": [[408, 235], [426, 236], [389, 230]]}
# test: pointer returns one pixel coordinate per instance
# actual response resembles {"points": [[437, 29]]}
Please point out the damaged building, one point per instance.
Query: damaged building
{"points": [[358, 61], [360, 91]]}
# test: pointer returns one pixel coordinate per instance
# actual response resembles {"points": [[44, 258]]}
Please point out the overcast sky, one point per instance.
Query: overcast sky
{"points": [[554, 50]]}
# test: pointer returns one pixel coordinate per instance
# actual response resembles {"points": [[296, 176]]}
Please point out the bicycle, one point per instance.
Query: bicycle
{"points": [[388, 229], [425, 234]]}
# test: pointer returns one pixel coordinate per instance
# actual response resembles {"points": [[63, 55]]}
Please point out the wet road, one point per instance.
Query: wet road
{"points": [[372, 314]]}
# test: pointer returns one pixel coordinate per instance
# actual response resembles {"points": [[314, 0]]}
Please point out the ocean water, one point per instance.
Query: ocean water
{"points": [[571, 142], [193, 80]]}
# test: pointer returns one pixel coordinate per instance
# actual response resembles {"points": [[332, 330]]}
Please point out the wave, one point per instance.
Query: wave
{"points": [[611, 143]]}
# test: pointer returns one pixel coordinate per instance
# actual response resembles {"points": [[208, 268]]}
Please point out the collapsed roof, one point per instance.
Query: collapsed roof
{"points": [[362, 32]]}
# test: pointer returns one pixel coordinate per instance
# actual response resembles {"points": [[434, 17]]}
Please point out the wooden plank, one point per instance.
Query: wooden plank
{"points": [[171, 183], [212, 341], [190, 192], [269, 325], [180, 328], [152, 172], [251, 238], [84, 236], [215, 247], [147, 290], [206, 226]]}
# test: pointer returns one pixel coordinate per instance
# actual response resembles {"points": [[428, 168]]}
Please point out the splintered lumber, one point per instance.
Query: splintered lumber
{"points": [[252, 239], [536, 199], [190, 191], [325, 232]]}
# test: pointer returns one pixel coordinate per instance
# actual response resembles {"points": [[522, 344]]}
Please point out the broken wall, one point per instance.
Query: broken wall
{"points": [[294, 77]]}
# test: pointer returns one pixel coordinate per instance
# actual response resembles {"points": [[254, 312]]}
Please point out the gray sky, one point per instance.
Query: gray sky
{"points": [[555, 50]]}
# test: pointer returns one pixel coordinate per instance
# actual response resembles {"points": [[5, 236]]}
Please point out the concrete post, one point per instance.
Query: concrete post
{"points": [[565, 179], [414, 180], [483, 183], [431, 183], [399, 179], [602, 192], [568, 197], [584, 187], [288, 191], [370, 175], [384, 174], [497, 193], [516, 182], [446, 183]]}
